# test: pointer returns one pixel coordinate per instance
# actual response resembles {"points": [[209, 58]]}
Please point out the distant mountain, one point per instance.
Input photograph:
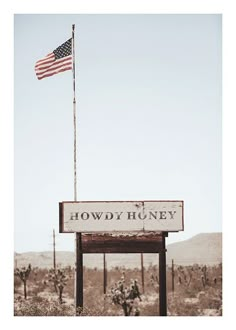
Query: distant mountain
{"points": [[44, 259], [202, 249]]}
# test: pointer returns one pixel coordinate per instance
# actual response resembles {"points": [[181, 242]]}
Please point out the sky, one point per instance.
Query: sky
{"points": [[149, 117]]}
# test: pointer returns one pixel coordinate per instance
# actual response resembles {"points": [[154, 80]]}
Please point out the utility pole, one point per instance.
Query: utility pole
{"points": [[54, 258]]}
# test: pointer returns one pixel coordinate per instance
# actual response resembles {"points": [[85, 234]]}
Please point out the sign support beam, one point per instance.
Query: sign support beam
{"points": [[162, 279], [79, 273]]}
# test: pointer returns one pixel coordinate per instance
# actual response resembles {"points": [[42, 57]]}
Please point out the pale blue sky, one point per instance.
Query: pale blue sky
{"points": [[149, 119]]}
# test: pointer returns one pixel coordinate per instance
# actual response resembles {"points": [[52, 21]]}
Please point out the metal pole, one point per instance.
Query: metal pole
{"points": [[142, 272], [78, 237], [74, 115], [162, 279]]}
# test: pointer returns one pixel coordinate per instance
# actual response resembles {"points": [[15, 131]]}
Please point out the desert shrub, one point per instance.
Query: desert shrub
{"points": [[211, 299], [85, 311], [17, 283], [38, 306], [178, 307], [42, 307]]}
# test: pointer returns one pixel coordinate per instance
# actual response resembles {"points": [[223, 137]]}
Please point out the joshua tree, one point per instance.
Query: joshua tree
{"points": [[190, 271], [155, 282], [23, 274], [204, 276], [185, 275], [59, 279], [125, 296]]}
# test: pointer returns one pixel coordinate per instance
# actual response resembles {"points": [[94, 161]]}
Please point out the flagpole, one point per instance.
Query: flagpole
{"points": [[74, 114], [78, 238]]}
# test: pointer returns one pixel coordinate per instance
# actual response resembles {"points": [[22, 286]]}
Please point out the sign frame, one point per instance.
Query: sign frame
{"points": [[140, 205]]}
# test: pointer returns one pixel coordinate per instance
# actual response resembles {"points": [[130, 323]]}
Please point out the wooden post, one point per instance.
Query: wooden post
{"points": [[54, 251], [142, 272], [25, 292], [173, 276], [54, 258], [79, 272], [104, 274], [162, 279]]}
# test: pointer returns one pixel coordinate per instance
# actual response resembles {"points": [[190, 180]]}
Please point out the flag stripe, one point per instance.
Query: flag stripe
{"points": [[54, 68], [48, 74], [57, 69], [46, 58], [54, 72], [44, 63], [48, 66]]}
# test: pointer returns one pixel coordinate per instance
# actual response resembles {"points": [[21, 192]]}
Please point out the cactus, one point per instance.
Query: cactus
{"points": [[155, 282], [124, 296], [59, 280], [204, 276], [179, 280], [190, 274], [185, 275], [23, 273]]}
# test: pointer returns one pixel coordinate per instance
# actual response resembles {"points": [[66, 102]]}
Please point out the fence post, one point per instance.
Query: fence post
{"points": [[173, 276]]}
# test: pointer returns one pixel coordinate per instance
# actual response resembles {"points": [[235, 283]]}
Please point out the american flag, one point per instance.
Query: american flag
{"points": [[58, 61]]}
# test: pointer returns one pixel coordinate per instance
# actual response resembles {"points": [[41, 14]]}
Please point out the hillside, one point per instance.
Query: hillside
{"points": [[202, 249]]}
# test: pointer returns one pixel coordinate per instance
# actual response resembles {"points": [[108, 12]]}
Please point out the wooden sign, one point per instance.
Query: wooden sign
{"points": [[126, 216]]}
